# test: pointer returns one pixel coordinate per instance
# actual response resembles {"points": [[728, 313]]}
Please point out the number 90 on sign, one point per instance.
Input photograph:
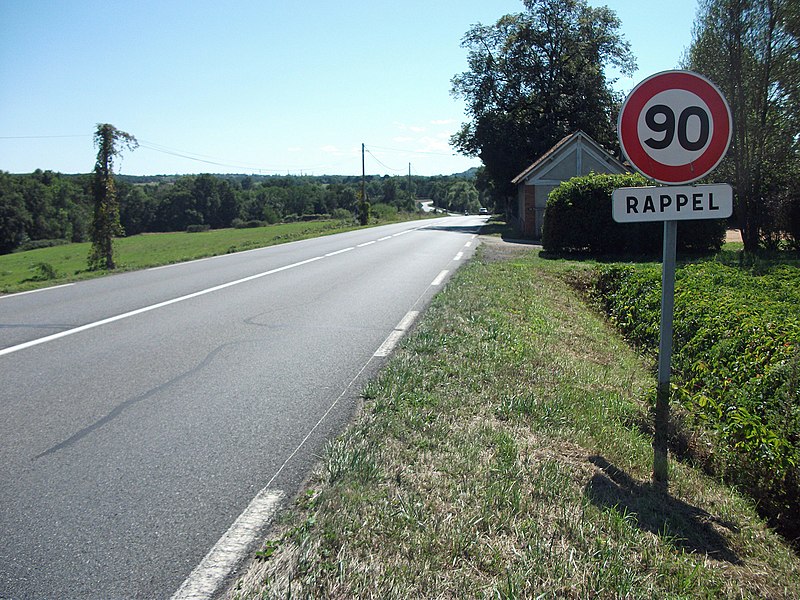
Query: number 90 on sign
{"points": [[675, 127]]}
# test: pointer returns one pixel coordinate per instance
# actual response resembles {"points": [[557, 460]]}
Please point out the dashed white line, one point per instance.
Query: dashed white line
{"points": [[383, 239], [458, 256], [408, 320], [394, 337], [342, 251], [440, 278], [366, 244], [207, 577]]}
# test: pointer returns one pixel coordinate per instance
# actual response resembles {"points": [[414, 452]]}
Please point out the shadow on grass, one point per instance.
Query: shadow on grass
{"points": [[683, 525]]}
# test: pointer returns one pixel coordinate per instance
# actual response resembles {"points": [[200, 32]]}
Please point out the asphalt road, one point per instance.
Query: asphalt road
{"points": [[142, 413]]}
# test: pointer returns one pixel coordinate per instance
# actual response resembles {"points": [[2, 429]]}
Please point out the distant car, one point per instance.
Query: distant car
{"points": [[483, 211]]}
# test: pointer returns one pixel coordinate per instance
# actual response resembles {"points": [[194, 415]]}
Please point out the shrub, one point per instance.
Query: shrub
{"points": [[271, 216], [36, 244], [342, 214], [315, 217], [198, 228], [44, 272], [736, 367], [384, 212], [251, 224], [578, 218]]}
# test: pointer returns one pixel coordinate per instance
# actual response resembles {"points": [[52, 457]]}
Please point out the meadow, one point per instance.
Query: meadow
{"points": [[32, 269]]}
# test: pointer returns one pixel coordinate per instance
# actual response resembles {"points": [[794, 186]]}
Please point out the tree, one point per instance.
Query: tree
{"points": [[105, 224], [13, 215], [749, 48], [535, 77]]}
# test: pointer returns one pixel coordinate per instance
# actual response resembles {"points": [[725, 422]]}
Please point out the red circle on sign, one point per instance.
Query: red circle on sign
{"points": [[692, 170]]}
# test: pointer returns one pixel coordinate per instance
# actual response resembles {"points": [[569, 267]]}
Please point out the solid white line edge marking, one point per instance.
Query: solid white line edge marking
{"points": [[209, 575], [145, 309], [47, 289]]}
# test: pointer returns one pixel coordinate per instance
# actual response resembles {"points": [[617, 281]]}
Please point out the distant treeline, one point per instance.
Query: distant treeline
{"points": [[46, 208]]}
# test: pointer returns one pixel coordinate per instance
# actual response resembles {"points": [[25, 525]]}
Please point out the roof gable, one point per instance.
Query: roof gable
{"points": [[575, 154]]}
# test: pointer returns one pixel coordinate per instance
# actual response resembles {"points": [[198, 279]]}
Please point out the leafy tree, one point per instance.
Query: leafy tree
{"points": [[105, 224], [749, 48], [462, 196], [535, 77], [13, 215]]}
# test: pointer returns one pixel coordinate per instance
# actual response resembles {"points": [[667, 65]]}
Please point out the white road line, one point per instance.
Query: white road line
{"points": [[53, 287], [468, 244], [366, 244], [389, 343], [393, 338], [458, 256], [383, 239], [207, 577], [342, 251], [440, 278], [145, 309], [408, 320]]}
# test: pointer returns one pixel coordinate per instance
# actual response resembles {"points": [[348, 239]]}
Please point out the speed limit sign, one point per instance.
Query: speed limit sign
{"points": [[675, 127]]}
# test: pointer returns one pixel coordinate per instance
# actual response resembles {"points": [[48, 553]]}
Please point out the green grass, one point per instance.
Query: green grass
{"points": [[61, 264], [498, 455]]}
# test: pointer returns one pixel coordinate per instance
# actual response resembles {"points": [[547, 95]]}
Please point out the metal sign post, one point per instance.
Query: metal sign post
{"points": [[660, 472], [674, 127]]}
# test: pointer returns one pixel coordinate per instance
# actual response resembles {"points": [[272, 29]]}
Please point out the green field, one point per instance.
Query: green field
{"points": [[61, 264]]}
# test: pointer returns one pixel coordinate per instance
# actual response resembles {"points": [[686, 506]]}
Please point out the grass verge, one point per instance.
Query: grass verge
{"points": [[498, 456], [33, 269]]}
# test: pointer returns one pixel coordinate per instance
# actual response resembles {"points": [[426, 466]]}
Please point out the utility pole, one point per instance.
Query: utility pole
{"points": [[363, 176]]}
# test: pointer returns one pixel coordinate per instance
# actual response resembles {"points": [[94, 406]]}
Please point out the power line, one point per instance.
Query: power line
{"points": [[381, 163], [41, 137], [415, 151]]}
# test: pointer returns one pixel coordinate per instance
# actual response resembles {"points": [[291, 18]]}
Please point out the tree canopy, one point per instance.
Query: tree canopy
{"points": [[535, 77], [751, 50]]}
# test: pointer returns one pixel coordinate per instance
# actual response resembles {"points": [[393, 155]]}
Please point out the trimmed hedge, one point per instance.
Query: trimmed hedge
{"points": [[578, 219], [736, 367]]}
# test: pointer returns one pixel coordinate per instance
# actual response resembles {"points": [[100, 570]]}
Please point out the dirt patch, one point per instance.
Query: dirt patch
{"points": [[497, 249], [733, 235]]}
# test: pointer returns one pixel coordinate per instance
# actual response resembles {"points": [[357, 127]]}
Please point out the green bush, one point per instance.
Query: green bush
{"points": [[36, 244], [342, 214], [578, 218], [251, 224], [736, 367], [198, 228], [384, 212]]}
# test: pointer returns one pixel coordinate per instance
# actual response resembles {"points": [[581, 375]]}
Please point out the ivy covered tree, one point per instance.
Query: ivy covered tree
{"points": [[106, 224], [535, 77]]}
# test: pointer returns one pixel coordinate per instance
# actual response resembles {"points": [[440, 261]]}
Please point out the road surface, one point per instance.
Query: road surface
{"points": [[144, 413]]}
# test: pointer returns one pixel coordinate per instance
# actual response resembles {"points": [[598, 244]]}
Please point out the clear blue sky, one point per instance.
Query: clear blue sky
{"points": [[270, 86]]}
